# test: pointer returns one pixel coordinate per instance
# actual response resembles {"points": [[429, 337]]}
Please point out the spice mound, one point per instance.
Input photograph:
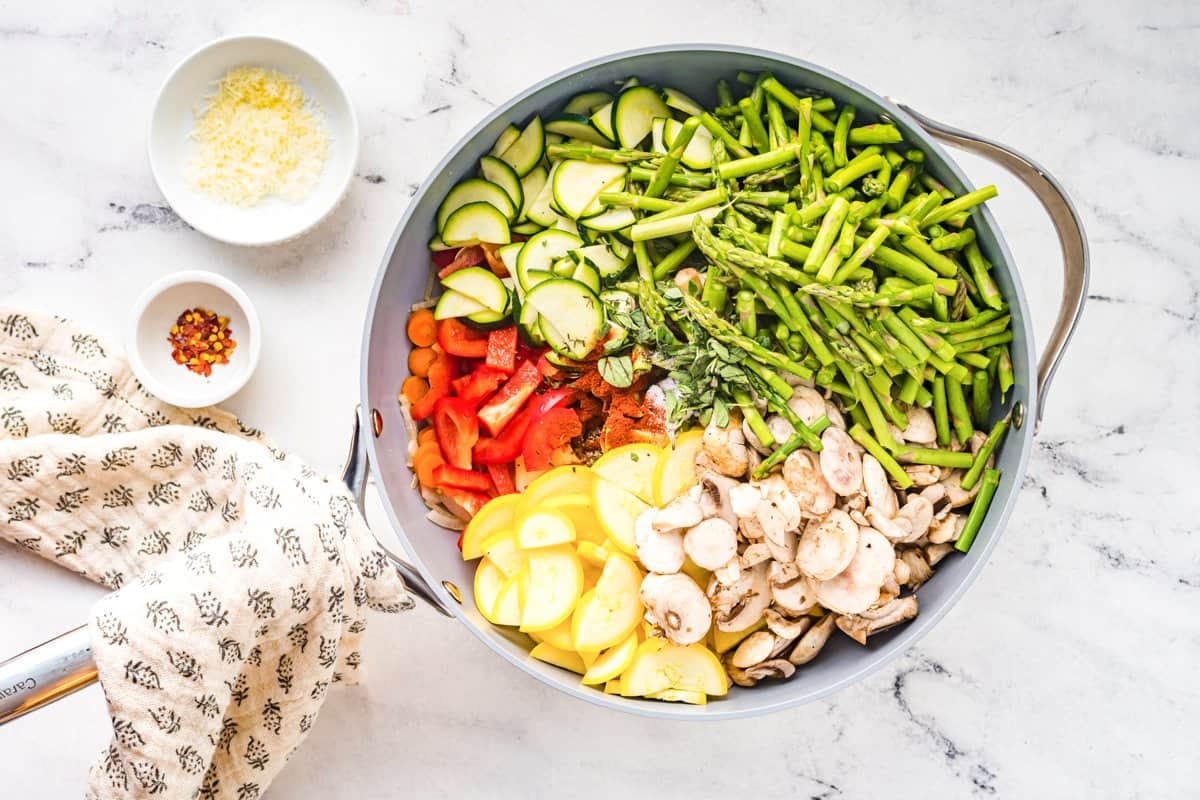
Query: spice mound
{"points": [[257, 135], [199, 339]]}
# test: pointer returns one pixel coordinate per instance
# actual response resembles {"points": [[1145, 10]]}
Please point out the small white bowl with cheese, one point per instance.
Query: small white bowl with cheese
{"points": [[252, 140]]}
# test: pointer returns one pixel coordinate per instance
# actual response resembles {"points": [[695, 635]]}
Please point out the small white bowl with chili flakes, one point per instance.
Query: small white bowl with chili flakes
{"points": [[194, 340]]}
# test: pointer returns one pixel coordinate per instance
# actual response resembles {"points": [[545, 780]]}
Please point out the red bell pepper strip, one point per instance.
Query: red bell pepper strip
{"points": [[505, 448], [457, 339], [442, 373], [441, 258], [556, 427], [502, 349], [546, 368], [466, 257], [456, 478], [457, 430], [501, 476], [477, 385], [505, 403], [467, 500]]}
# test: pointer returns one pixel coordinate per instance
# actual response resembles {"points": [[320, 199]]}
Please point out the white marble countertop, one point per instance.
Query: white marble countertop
{"points": [[1069, 668]]}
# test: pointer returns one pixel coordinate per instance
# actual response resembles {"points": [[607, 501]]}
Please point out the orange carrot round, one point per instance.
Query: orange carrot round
{"points": [[414, 388], [426, 459], [427, 435], [422, 329], [420, 359]]}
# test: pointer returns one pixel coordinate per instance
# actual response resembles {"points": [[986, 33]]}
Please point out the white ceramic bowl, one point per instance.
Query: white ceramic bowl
{"points": [[170, 146], [150, 353]]}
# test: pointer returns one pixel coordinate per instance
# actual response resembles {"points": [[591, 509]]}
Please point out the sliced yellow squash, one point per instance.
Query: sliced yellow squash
{"points": [[676, 472], [489, 580], [578, 507], [559, 636], [559, 658], [592, 554], [613, 661], [570, 479], [660, 665], [503, 551], [724, 641], [496, 515], [511, 600], [681, 696], [610, 612], [555, 582], [631, 467], [544, 529], [613, 686], [617, 509]]}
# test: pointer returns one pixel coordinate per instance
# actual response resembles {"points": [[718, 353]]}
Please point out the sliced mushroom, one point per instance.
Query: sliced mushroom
{"points": [[659, 551], [743, 499], [775, 489], [901, 572], [841, 462], [919, 513], [752, 438], [947, 529], [919, 428], [859, 626], [827, 545], [834, 416], [783, 546], [936, 552], [811, 642], [682, 512], [726, 448], [755, 554], [897, 530], [754, 649], [741, 605], [786, 628], [957, 495], [807, 403], [879, 491], [923, 474], [804, 479], [728, 573], [714, 494], [857, 587], [775, 668], [792, 592], [678, 606], [859, 517], [770, 521], [711, 544], [917, 567], [739, 676]]}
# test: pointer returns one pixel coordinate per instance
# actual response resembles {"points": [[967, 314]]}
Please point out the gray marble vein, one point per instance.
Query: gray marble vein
{"points": [[1069, 668]]}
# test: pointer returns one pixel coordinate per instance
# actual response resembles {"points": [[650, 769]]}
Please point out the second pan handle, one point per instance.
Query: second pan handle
{"points": [[1067, 224]]}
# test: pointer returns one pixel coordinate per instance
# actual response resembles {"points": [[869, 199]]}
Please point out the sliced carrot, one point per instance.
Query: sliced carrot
{"points": [[420, 359], [427, 435], [426, 459], [422, 329], [414, 388]]}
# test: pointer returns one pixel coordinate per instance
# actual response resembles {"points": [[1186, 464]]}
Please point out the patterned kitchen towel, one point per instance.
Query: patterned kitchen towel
{"points": [[241, 576]]}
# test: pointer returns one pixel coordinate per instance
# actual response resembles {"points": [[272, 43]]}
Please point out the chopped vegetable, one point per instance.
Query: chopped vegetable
{"points": [[457, 430], [505, 404], [457, 339], [422, 329], [554, 429]]}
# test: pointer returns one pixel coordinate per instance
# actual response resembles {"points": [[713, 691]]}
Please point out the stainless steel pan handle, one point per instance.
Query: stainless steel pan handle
{"points": [[1067, 224], [55, 669]]}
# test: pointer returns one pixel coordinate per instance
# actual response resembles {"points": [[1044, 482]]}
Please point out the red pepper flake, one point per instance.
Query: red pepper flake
{"points": [[199, 338]]}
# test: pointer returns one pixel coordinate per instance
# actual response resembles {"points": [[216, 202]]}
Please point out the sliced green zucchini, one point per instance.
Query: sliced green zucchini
{"points": [[476, 222], [525, 153], [601, 256], [436, 244], [531, 187], [698, 153], [475, 190], [681, 102], [621, 249], [536, 276], [633, 112], [505, 139], [602, 120], [586, 103], [555, 138], [526, 228], [526, 318], [570, 316], [500, 173], [508, 256], [489, 319], [576, 184], [539, 210], [586, 274], [657, 143], [480, 285], [562, 361], [576, 126], [564, 267], [542, 250], [566, 225], [453, 304], [613, 220], [630, 82]]}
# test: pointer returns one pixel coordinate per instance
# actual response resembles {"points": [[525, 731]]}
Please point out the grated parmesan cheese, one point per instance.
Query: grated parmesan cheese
{"points": [[257, 135]]}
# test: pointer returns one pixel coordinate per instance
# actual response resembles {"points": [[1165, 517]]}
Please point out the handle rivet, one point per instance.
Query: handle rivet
{"points": [[1018, 414], [376, 422], [453, 590]]}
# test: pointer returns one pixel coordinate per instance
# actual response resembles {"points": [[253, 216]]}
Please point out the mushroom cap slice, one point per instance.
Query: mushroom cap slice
{"points": [[714, 494], [743, 604], [812, 641], [955, 493], [775, 668], [744, 498], [919, 428], [919, 513], [786, 628], [711, 544], [947, 529], [682, 512], [841, 462], [755, 554], [792, 591], [804, 479], [859, 626], [726, 448], [659, 551], [879, 491], [923, 474], [898, 529], [754, 649], [807, 403], [678, 606], [857, 587], [827, 545]]}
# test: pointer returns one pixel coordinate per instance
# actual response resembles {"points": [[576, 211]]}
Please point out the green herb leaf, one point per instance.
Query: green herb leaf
{"points": [[616, 370]]}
